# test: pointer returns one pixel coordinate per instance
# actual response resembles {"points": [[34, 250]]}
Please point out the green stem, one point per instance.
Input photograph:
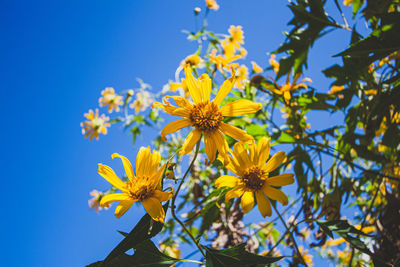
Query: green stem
{"points": [[291, 236], [175, 196]]}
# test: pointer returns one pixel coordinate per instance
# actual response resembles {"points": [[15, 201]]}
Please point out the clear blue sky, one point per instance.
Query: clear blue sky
{"points": [[56, 57]]}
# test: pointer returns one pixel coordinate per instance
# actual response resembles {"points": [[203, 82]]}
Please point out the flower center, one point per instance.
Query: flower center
{"points": [[254, 178], [206, 116], [139, 192]]}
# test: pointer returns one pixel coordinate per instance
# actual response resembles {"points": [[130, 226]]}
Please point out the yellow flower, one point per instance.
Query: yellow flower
{"points": [[192, 60], [236, 35], [307, 257], [206, 116], [172, 251], [110, 98], [347, 2], [242, 77], [144, 188], [174, 87], [371, 92], [212, 4], [222, 62], [274, 63], [94, 124], [256, 68], [94, 202], [253, 170], [288, 87], [142, 102]]}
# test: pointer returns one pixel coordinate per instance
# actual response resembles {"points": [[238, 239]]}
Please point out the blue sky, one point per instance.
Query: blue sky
{"points": [[56, 58]]}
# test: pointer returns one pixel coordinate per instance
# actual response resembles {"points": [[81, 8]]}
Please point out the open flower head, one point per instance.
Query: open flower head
{"points": [[111, 99], [144, 187], [195, 61], [287, 88], [242, 77], [206, 116], [95, 124], [142, 102], [252, 181]]}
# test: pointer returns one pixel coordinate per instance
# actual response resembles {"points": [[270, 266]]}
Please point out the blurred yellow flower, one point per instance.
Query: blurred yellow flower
{"points": [[174, 87], [242, 77], [111, 99], [236, 35], [252, 168], [222, 62], [94, 202], [212, 4], [347, 2], [193, 60], [274, 63], [172, 251], [142, 102], [289, 87], [307, 257], [206, 116], [256, 68], [144, 188], [371, 92], [95, 124]]}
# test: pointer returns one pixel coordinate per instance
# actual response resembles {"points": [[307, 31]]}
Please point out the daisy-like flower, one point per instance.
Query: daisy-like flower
{"points": [[111, 99], [207, 116], [253, 181], [223, 62], [192, 60], [142, 102], [144, 187], [212, 4], [287, 88], [95, 124], [242, 77], [256, 67], [94, 202]]}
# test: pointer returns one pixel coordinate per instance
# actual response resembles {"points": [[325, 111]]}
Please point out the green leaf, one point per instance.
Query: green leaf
{"points": [[145, 229], [146, 254], [235, 256], [285, 138]]}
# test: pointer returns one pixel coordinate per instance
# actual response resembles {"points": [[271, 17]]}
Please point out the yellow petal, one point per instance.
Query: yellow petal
{"points": [[247, 201], [287, 96], [239, 108], [107, 199], [222, 146], [193, 85], [234, 193], [281, 180], [211, 147], [192, 138], [154, 209], [241, 155], [275, 194], [142, 160], [127, 166], [227, 180], [123, 207], [163, 196], [153, 163], [181, 102], [263, 204], [224, 90], [110, 176], [156, 178], [274, 162], [205, 86], [174, 126], [263, 148], [235, 132]]}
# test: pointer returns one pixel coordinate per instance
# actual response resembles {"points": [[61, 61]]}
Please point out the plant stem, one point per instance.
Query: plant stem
{"points": [[175, 196], [291, 236]]}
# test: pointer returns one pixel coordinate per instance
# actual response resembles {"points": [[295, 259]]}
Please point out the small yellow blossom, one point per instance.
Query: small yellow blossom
{"points": [[222, 62], [371, 92], [242, 77], [111, 99], [193, 61], [274, 63], [172, 251], [287, 88], [143, 100], [94, 202], [174, 87], [252, 168], [145, 187], [256, 67], [212, 4], [206, 116], [347, 2], [307, 257], [95, 124]]}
